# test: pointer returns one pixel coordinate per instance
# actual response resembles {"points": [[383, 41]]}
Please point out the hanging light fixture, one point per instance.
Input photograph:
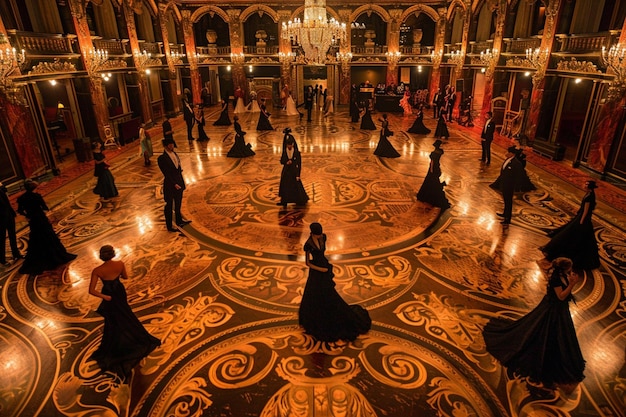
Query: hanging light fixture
{"points": [[315, 34]]}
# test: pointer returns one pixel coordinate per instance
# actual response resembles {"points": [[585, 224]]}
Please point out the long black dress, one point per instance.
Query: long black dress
{"points": [[200, 121], [45, 250], [105, 187], [542, 345], [124, 341], [240, 149], [355, 114], [223, 120], [366, 121], [523, 183], [442, 128], [385, 149], [264, 120], [418, 125], [323, 313], [291, 189], [431, 191], [576, 241]]}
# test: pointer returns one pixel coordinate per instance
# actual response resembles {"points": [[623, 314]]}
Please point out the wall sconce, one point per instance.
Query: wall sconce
{"points": [[228, 68], [419, 68], [53, 82], [106, 76], [142, 61], [250, 68]]}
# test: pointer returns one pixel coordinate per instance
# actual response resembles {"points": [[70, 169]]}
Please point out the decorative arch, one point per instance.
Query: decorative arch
{"points": [[369, 8], [453, 6], [300, 10], [152, 7], [175, 10], [420, 8], [201, 11], [260, 9]]}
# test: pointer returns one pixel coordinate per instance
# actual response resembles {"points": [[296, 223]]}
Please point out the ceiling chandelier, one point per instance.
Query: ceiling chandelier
{"points": [[315, 34]]}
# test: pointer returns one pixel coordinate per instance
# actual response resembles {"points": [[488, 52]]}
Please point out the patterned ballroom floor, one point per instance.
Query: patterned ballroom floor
{"points": [[223, 294]]}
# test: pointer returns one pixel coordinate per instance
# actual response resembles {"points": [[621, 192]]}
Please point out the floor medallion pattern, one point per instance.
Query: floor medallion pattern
{"points": [[223, 294]]}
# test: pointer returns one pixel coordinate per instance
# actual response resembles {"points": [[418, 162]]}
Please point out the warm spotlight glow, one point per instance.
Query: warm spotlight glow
{"points": [[228, 68], [53, 82], [577, 81], [527, 74]]}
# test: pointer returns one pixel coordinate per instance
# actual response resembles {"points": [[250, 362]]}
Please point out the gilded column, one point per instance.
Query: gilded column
{"points": [[440, 34], [393, 46], [285, 52], [171, 68], [345, 81], [146, 106], [552, 10], [78, 9], [500, 12], [192, 57], [236, 48], [608, 121]]}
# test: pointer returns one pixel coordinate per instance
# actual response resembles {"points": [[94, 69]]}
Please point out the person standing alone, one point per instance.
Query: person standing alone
{"points": [[510, 173], [173, 184], [7, 225], [486, 137]]}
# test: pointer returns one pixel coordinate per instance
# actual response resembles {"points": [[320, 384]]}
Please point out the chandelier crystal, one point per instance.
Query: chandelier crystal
{"points": [[315, 34]]}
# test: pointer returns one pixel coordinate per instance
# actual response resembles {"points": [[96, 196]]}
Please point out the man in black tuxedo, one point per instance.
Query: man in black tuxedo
{"points": [[309, 99], [510, 174], [486, 137], [7, 225], [173, 184], [189, 116], [168, 132], [436, 99]]}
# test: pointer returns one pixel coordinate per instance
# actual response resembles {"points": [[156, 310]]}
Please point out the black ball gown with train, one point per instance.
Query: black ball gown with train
{"points": [[442, 128], [223, 120], [542, 345], [240, 149], [366, 121], [264, 120], [323, 313], [431, 191], [576, 240], [384, 148], [105, 187], [523, 183], [418, 125], [45, 250], [125, 342], [291, 189]]}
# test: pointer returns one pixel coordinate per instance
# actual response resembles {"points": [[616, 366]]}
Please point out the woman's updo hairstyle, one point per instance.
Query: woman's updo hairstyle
{"points": [[316, 228], [107, 253]]}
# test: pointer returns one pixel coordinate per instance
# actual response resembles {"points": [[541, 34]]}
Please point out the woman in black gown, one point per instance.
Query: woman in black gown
{"points": [[264, 119], [105, 187], [323, 313], [385, 149], [576, 240], [442, 128], [431, 191], [223, 120], [125, 342], [418, 125], [366, 119], [45, 250], [542, 345], [523, 184], [200, 121], [291, 189], [240, 149], [354, 110]]}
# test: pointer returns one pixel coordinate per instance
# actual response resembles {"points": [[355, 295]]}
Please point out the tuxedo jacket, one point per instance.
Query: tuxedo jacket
{"points": [[488, 130], [6, 210], [172, 176], [511, 175]]}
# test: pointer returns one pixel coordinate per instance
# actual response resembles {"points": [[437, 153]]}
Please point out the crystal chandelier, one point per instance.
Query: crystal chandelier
{"points": [[97, 59], [315, 34], [615, 59]]}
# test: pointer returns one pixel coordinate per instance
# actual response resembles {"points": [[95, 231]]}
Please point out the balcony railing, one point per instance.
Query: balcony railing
{"points": [[260, 50], [153, 48], [581, 44], [369, 50], [519, 46], [213, 50], [42, 44], [115, 47]]}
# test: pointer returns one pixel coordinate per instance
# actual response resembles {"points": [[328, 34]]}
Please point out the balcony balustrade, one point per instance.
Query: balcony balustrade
{"points": [[260, 50], [42, 45], [115, 47], [583, 44]]}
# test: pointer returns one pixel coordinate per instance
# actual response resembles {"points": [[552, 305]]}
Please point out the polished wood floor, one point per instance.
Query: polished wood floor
{"points": [[223, 294]]}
